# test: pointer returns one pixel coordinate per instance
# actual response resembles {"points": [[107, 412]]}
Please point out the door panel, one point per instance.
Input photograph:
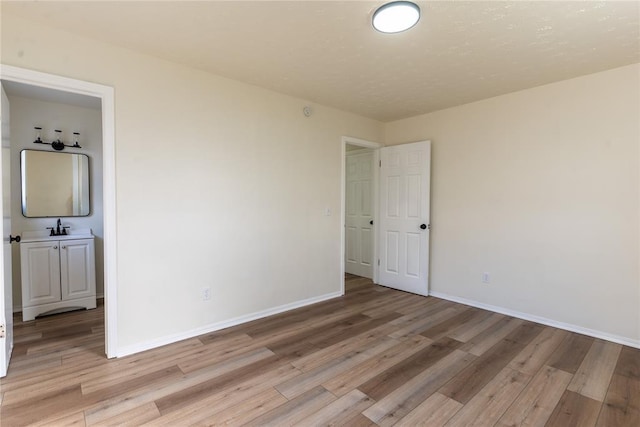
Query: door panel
{"points": [[393, 196], [413, 197], [6, 297], [359, 214], [413, 255], [393, 252], [366, 251], [366, 188], [352, 245], [404, 207]]}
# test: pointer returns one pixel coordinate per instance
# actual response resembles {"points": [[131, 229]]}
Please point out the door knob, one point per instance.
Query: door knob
{"points": [[371, 222], [14, 239], [423, 226]]}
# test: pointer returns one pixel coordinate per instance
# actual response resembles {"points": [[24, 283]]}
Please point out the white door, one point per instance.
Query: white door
{"points": [[404, 217], [6, 297], [359, 214]]}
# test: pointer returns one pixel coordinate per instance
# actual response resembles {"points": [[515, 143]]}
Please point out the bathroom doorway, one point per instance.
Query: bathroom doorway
{"points": [[34, 91]]}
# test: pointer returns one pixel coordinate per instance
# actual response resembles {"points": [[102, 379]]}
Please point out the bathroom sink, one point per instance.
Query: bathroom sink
{"points": [[43, 235]]}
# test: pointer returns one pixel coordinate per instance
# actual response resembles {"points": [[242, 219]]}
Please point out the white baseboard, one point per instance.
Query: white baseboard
{"points": [[542, 320], [170, 339]]}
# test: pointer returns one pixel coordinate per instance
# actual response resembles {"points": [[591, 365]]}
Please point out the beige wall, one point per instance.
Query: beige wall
{"points": [[219, 184], [540, 188]]}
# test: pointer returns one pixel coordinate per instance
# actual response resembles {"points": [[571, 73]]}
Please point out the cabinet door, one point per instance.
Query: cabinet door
{"points": [[77, 269], [40, 273]]}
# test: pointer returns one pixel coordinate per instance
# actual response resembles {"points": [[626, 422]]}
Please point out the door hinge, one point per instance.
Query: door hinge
{"points": [[1, 331], [379, 163], [378, 263], [428, 226]]}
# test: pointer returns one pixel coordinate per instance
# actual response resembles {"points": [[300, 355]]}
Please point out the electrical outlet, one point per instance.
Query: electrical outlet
{"points": [[486, 277], [206, 294]]}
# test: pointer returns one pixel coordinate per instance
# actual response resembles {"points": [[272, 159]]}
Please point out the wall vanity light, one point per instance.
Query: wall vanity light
{"points": [[57, 143], [396, 17]]}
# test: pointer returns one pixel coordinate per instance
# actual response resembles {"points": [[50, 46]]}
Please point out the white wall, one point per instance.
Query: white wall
{"points": [[25, 115], [540, 188], [219, 184]]}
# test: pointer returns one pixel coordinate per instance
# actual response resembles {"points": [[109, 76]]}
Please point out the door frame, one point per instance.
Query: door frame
{"points": [[343, 202], [106, 94]]}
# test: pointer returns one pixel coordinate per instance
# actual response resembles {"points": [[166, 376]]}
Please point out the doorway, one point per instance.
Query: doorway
{"points": [[401, 213], [359, 173], [46, 84], [359, 208]]}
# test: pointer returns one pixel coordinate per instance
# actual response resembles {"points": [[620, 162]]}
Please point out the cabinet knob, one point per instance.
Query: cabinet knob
{"points": [[64, 247], [55, 247]]}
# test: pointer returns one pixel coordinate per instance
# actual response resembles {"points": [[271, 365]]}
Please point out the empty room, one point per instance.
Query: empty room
{"points": [[358, 213]]}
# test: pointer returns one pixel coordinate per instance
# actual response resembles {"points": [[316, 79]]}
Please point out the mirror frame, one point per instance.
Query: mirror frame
{"points": [[23, 199]]}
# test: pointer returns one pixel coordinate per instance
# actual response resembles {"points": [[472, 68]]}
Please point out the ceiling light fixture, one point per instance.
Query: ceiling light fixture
{"points": [[396, 17]]}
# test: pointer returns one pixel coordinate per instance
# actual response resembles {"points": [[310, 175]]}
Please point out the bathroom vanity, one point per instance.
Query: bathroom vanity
{"points": [[58, 272]]}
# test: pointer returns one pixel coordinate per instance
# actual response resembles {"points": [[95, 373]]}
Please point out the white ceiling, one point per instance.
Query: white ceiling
{"points": [[326, 51]]}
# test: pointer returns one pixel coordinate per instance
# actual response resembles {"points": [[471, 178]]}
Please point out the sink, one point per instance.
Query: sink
{"points": [[43, 235]]}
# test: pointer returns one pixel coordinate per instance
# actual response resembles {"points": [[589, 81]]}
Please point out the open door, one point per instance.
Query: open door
{"points": [[6, 297], [359, 214], [404, 217]]}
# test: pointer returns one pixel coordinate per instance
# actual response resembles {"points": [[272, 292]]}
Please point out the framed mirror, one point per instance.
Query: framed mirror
{"points": [[54, 184]]}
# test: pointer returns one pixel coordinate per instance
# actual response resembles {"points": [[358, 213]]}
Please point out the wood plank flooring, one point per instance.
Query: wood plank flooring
{"points": [[373, 357]]}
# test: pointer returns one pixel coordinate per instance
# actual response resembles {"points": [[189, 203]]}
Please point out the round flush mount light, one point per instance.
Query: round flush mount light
{"points": [[396, 17]]}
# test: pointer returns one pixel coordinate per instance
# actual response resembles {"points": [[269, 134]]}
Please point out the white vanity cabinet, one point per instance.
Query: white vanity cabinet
{"points": [[58, 274]]}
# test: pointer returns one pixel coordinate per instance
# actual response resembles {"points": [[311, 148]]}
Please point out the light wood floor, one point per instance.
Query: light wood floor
{"points": [[374, 357]]}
